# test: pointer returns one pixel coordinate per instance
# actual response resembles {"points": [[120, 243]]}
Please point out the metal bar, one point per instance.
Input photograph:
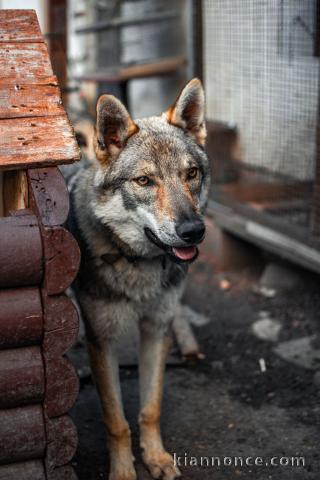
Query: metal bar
{"points": [[120, 22], [265, 237]]}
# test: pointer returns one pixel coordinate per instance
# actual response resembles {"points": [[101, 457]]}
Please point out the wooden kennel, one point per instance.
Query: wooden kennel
{"points": [[39, 259]]}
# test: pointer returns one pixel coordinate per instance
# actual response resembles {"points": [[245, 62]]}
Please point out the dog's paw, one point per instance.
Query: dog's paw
{"points": [[161, 464], [123, 473]]}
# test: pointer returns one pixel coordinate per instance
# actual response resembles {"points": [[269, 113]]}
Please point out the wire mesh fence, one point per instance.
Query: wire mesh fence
{"points": [[261, 71]]}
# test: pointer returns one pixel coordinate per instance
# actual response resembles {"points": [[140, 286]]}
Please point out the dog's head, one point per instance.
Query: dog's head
{"points": [[153, 177]]}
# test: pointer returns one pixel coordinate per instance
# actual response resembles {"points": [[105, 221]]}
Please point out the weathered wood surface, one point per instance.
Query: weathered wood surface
{"points": [[61, 325], [32, 470], [19, 26], [61, 473], [21, 320], [62, 259], [21, 257], [34, 130], [25, 63], [62, 441], [29, 101], [22, 434], [22, 377], [35, 142], [62, 386], [49, 197]]}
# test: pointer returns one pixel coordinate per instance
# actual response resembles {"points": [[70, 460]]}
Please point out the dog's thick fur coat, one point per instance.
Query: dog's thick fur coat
{"points": [[137, 214]]}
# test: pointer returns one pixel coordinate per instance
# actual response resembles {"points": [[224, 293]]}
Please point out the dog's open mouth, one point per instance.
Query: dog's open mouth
{"points": [[178, 254]]}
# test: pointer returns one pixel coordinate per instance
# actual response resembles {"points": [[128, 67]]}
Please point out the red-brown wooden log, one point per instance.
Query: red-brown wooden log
{"points": [[22, 378], [61, 324], [62, 259], [62, 386], [49, 197], [22, 434], [32, 470], [21, 251], [62, 473], [62, 441], [20, 317]]}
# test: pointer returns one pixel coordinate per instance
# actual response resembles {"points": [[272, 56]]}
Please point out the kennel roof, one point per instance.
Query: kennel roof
{"points": [[34, 127]]}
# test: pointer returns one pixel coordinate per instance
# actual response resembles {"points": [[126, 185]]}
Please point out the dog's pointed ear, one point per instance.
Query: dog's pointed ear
{"points": [[188, 111], [114, 127]]}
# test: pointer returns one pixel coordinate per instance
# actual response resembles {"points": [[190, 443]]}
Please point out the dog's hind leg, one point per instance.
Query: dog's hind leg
{"points": [[153, 352], [105, 369]]}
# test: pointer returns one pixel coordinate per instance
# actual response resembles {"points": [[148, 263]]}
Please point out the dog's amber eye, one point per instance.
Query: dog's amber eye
{"points": [[192, 173], [143, 181]]}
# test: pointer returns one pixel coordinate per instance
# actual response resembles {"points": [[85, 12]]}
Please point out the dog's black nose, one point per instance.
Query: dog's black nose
{"points": [[191, 231]]}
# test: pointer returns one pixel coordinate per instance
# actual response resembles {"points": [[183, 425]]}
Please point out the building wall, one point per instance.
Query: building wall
{"points": [[260, 74], [129, 45]]}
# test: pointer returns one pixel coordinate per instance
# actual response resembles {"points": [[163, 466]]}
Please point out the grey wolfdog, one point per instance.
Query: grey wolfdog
{"points": [[138, 216]]}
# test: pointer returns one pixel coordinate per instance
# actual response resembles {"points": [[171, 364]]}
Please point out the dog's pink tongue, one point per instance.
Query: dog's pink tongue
{"points": [[185, 253]]}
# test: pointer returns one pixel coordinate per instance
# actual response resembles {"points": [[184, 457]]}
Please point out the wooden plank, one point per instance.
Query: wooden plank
{"points": [[49, 197], [22, 378], [38, 141], [22, 434], [262, 191], [25, 63], [21, 255], [29, 101], [165, 66], [21, 319], [19, 26]]}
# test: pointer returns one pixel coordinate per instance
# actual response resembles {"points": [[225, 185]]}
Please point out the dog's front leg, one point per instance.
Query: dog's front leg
{"points": [[105, 369], [153, 351]]}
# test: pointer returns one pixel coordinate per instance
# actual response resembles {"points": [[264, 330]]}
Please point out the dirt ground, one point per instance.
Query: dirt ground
{"points": [[226, 405]]}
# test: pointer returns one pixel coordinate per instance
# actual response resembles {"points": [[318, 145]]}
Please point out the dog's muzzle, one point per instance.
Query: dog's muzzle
{"points": [[177, 254]]}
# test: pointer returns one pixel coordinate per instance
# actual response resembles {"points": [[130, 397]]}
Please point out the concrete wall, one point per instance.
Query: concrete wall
{"points": [[260, 73]]}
